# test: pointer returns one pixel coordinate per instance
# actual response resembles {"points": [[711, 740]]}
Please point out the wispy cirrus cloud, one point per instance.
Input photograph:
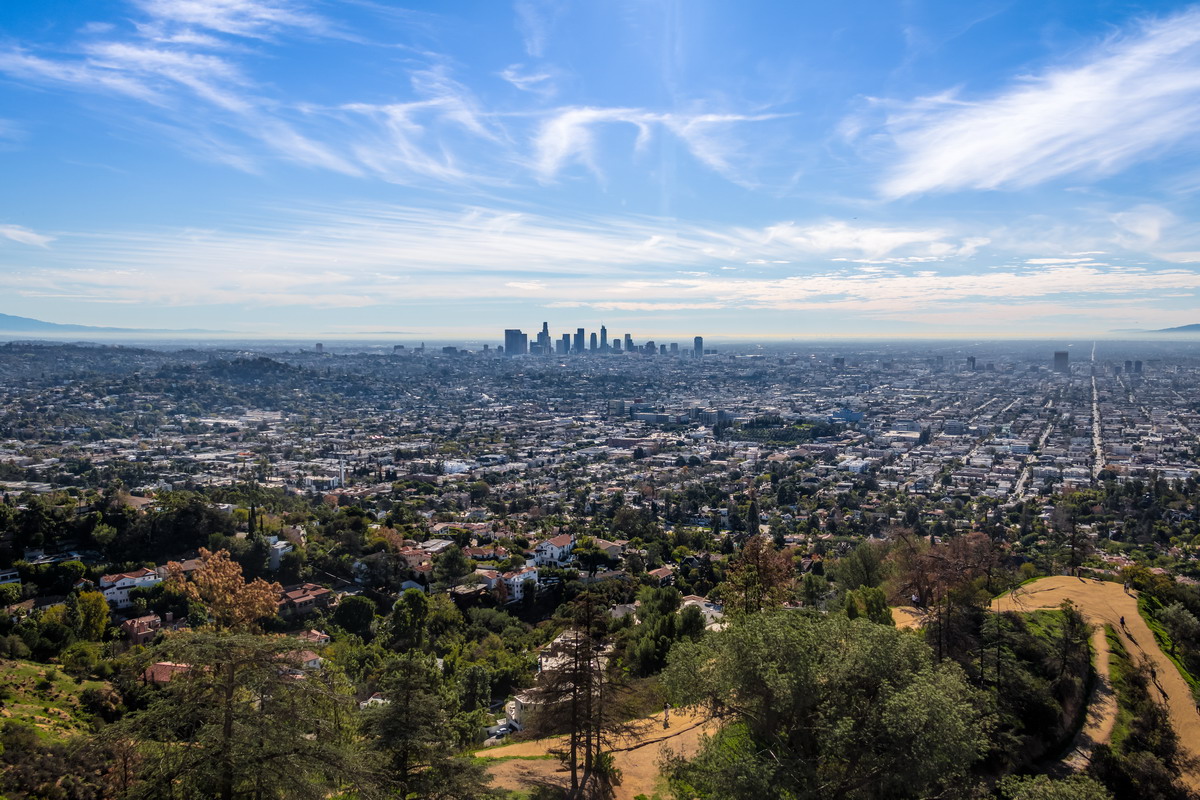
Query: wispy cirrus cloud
{"points": [[22, 235], [247, 18], [189, 51], [1128, 99]]}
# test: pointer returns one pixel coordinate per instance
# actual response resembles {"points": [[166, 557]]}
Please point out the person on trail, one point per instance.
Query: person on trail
{"points": [[666, 715], [1122, 622]]}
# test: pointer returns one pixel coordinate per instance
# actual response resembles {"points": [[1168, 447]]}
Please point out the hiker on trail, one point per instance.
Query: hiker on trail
{"points": [[1122, 622], [1153, 674], [666, 715]]}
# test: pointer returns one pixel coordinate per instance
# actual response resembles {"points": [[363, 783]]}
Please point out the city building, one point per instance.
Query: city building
{"points": [[1062, 361]]}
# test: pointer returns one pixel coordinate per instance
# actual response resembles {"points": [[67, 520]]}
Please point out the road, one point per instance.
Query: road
{"points": [[1097, 434], [1103, 602]]}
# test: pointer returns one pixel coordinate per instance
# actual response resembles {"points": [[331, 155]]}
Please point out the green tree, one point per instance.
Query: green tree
{"points": [[1181, 624], [418, 731], [239, 723], [450, 566], [87, 614], [820, 707], [759, 578], [355, 615], [408, 620], [1040, 787]]}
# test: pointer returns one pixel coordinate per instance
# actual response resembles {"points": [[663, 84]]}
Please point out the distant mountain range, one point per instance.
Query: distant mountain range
{"points": [[1181, 329], [14, 324]]}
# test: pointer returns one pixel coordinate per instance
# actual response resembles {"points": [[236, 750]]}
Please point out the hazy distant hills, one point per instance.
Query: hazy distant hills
{"points": [[1181, 329], [13, 324]]}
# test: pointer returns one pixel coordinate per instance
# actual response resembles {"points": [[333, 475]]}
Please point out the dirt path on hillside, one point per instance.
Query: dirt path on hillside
{"points": [[1103, 602], [908, 617], [637, 756]]}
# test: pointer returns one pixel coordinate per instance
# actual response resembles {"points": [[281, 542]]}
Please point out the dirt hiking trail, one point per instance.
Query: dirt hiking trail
{"points": [[637, 756], [1103, 602]]}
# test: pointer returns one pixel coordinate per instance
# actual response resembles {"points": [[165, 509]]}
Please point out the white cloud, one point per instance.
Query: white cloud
{"points": [[540, 83], [23, 235], [568, 136], [1132, 97], [248, 18], [534, 19]]}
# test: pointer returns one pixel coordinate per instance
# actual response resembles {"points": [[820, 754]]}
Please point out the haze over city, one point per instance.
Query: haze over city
{"points": [[447, 171]]}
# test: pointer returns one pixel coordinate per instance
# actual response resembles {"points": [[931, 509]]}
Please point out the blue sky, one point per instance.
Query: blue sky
{"points": [[752, 169]]}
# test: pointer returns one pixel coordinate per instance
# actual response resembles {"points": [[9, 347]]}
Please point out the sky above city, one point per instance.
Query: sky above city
{"points": [[738, 170]]}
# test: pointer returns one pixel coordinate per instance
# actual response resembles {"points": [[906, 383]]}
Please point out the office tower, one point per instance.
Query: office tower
{"points": [[940, 361], [578, 348], [594, 343], [971, 363], [674, 348], [1061, 361], [698, 347], [839, 362], [603, 339], [1137, 367], [616, 345], [628, 343], [1128, 366], [399, 348], [649, 349], [320, 347], [662, 349], [543, 340], [516, 343], [565, 344]]}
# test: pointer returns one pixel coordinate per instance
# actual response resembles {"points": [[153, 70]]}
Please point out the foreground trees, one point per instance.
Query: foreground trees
{"points": [[823, 707], [242, 719]]}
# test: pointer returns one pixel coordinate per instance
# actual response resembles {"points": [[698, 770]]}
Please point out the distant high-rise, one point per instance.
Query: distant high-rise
{"points": [[545, 347], [594, 344], [698, 347], [971, 363], [603, 339], [578, 341], [516, 343], [1137, 368], [1062, 361], [320, 347], [649, 348], [628, 343], [564, 345], [674, 348], [662, 349], [1128, 366]]}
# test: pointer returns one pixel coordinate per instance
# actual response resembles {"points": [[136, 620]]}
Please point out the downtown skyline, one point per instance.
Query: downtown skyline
{"points": [[276, 168]]}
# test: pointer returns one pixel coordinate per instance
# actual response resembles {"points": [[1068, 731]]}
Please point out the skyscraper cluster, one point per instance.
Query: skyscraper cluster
{"points": [[517, 343]]}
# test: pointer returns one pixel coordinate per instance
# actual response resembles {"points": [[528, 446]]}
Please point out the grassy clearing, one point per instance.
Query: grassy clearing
{"points": [[1120, 666], [478, 759], [41, 695], [1045, 623]]}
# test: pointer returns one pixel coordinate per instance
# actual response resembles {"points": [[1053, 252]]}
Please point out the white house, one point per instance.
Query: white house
{"points": [[555, 551], [514, 582], [278, 548], [116, 588]]}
